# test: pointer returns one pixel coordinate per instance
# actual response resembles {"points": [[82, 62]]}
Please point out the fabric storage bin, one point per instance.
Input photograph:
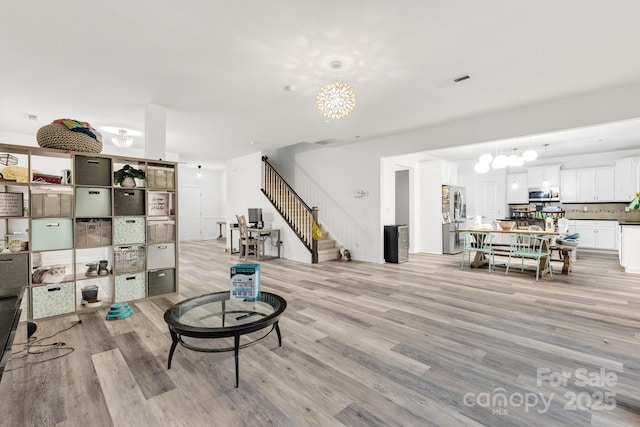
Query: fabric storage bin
{"points": [[159, 231], [160, 178], [92, 171], [93, 202], [161, 255], [92, 233], [162, 282], [129, 259], [127, 230], [51, 234], [128, 202], [52, 300], [14, 273], [130, 287], [51, 203]]}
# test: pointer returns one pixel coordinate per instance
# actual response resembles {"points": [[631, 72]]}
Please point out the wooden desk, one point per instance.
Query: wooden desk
{"points": [[480, 258], [221, 224], [255, 232]]}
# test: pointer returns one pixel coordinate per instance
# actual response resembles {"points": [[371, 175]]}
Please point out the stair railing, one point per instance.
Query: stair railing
{"points": [[291, 207]]}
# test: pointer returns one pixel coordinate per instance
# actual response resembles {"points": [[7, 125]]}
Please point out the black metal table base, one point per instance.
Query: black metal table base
{"points": [[175, 339]]}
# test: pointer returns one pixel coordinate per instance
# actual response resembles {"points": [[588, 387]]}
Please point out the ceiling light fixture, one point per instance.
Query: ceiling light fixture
{"points": [[514, 159], [500, 162], [530, 155], [199, 171], [486, 158], [122, 140], [482, 167], [336, 99]]}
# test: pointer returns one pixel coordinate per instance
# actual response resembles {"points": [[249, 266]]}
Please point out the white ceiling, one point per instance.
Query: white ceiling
{"points": [[220, 68]]}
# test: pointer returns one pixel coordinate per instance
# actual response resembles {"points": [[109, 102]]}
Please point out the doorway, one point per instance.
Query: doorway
{"points": [[402, 197], [190, 224]]}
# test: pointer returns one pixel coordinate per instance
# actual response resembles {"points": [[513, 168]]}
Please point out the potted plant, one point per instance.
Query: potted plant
{"points": [[126, 176]]}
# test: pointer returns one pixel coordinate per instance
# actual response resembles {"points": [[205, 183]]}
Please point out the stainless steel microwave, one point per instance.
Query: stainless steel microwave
{"points": [[551, 194]]}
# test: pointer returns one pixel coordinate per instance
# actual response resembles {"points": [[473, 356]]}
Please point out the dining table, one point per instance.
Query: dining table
{"points": [[480, 234]]}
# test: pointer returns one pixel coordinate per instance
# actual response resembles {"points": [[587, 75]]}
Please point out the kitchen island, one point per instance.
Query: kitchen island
{"points": [[630, 246]]}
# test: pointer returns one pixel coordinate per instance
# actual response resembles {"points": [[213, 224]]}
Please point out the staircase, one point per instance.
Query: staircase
{"points": [[327, 250], [297, 214]]}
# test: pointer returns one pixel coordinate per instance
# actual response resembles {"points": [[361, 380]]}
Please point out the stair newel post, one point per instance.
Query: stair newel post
{"points": [[263, 184], [314, 243]]}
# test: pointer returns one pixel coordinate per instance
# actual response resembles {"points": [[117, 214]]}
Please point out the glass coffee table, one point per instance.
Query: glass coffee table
{"points": [[216, 316]]}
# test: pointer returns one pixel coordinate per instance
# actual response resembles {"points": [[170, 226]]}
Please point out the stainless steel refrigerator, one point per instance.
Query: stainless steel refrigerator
{"points": [[454, 210]]}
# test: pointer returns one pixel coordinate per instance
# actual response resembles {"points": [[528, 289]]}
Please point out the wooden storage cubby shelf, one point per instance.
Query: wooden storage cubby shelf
{"points": [[85, 217]]}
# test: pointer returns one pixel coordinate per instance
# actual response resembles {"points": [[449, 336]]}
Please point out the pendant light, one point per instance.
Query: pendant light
{"points": [[530, 155]]}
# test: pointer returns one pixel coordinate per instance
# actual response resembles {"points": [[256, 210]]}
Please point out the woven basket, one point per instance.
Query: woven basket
{"points": [[56, 135]]}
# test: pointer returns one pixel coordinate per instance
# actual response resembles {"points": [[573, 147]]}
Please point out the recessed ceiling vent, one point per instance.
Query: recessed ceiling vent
{"points": [[327, 141], [453, 80]]}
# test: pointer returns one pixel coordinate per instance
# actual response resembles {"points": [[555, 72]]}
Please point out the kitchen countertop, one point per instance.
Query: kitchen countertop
{"points": [[620, 217], [629, 222]]}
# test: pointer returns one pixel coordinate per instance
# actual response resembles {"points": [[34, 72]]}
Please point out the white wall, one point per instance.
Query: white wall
{"points": [[430, 201], [339, 171]]}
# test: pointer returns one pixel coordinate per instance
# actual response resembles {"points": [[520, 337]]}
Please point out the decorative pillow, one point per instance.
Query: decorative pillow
{"points": [[19, 173]]}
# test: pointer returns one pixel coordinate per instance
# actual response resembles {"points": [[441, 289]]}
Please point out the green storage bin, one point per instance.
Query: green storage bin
{"points": [[51, 234], [93, 202]]}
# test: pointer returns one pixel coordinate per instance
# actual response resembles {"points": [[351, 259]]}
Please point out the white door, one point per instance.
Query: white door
{"points": [[189, 208], [490, 201]]}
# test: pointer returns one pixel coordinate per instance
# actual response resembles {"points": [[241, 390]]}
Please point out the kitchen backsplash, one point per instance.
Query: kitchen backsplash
{"points": [[611, 211]]}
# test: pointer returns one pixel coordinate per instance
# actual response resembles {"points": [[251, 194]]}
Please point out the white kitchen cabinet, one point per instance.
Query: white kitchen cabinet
{"points": [[595, 184], [539, 175], [568, 186], [629, 248], [449, 173], [597, 234], [625, 180], [517, 190]]}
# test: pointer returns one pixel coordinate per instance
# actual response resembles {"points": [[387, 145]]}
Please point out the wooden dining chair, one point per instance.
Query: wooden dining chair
{"points": [[248, 245], [530, 247], [479, 243]]}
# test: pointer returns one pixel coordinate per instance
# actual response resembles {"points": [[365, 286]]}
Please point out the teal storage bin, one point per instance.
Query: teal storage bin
{"points": [[93, 202], [51, 234]]}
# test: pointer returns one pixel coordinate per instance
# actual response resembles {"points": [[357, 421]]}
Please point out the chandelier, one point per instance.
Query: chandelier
{"points": [[336, 99], [122, 140], [501, 161]]}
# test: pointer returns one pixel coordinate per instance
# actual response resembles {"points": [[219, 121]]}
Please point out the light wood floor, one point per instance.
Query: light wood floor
{"points": [[415, 344]]}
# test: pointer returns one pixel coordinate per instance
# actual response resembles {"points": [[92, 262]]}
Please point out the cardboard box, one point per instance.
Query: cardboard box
{"points": [[245, 282]]}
